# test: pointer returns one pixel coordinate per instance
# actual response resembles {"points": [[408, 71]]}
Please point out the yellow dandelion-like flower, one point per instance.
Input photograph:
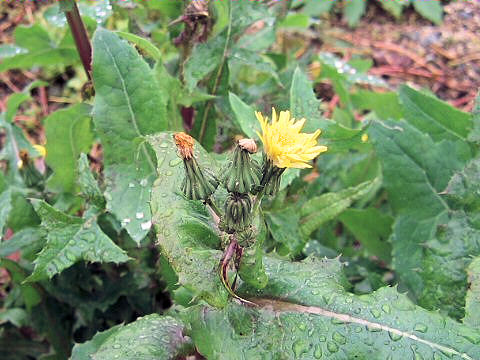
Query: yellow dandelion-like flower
{"points": [[283, 142]]}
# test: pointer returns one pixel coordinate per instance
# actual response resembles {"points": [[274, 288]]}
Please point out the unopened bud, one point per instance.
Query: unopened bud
{"points": [[248, 144], [238, 209]]}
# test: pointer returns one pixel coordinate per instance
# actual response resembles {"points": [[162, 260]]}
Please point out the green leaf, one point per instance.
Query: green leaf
{"points": [[183, 228], [69, 240], [5, 207], [394, 7], [28, 240], [372, 228], [472, 301], [284, 226], [244, 116], [305, 313], [315, 8], [151, 337], [415, 170], [142, 44], [474, 135], [323, 208], [386, 105], [463, 188], [88, 183], [17, 316], [431, 10], [445, 263], [42, 51], [353, 11], [435, 117], [68, 132], [127, 107]]}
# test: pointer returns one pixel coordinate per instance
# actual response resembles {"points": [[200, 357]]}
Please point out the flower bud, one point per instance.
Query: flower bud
{"points": [[272, 176], [238, 209], [243, 173]]}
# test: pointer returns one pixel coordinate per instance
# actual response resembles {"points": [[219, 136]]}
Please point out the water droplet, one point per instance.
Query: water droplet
{"points": [[117, 346], [336, 321], [144, 182], [70, 256], [315, 292], [322, 338], [372, 328], [394, 336], [358, 329], [125, 222], [169, 173], [164, 195], [375, 313], [300, 347], [175, 162], [302, 326], [163, 145], [386, 308], [332, 347], [139, 215], [420, 327], [131, 185], [339, 338], [318, 352], [348, 300], [146, 225]]}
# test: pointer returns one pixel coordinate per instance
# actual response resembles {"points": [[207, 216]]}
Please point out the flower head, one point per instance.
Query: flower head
{"points": [[283, 142], [184, 144]]}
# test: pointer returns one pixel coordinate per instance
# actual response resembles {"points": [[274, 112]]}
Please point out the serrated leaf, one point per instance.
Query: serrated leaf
{"points": [[446, 259], [151, 337], [394, 7], [353, 11], [464, 188], [88, 183], [415, 170], [184, 230], [244, 116], [127, 106], [69, 133], [431, 10], [305, 313], [472, 300], [323, 208], [386, 105], [69, 240], [439, 119]]}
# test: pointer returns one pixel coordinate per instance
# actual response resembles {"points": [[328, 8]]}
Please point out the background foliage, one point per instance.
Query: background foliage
{"points": [[372, 254]]}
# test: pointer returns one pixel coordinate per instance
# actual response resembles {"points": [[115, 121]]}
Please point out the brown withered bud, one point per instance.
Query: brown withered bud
{"points": [[248, 144], [184, 144]]}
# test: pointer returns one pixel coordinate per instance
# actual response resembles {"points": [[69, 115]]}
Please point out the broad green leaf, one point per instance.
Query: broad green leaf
{"points": [[142, 44], [415, 170], [251, 62], [69, 240], [372, 228], [127, 107], [315, 8], [244, 116], [431, 10], [221, 13], [41, 50], [151, 337], [284, 227], [433, 116], [184, 230], [444, 267], [304, 104], [323, 208], [472, 301], [88, 183], [385, 105], [28, 240], [297, 21], [305, 313], [463, 188], [69, 133], [353, 11]]}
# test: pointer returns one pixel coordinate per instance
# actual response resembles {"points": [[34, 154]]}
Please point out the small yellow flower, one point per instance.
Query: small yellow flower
{"points": [[364, 138], [284, 144]]}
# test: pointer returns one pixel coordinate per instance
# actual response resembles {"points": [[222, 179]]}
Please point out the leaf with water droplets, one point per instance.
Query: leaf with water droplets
{"points": [[127, 106], [69, 240], [148, 338], [184, 229], [472, 301]]}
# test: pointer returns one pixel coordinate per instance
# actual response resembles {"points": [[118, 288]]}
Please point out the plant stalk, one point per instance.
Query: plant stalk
{"points": [[80, 35]]}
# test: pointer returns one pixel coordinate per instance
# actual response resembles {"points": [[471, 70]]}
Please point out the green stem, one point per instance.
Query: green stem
{"points": [[203, 127], [79, 33], [258, 201], [210, 202]]}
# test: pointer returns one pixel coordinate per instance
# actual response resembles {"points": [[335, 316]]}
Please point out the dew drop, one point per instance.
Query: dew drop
{"points": [[131, 185], [315, 292], [348, 300], [317, 353], [420, 327], [144, 182], [394, 336], [139, 215], [332, 347], [386, 308], [117, 346], [70, 256], [372, 328], [146, 225], [169, 173], [339, 338], [336, 321], [302, 326], [125, 222], [375, 313], [300, 347], [322, 338], [163, 145], [175, 162]]}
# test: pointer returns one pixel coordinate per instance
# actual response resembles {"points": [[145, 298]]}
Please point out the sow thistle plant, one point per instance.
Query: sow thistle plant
{"points": [[247, 181]]}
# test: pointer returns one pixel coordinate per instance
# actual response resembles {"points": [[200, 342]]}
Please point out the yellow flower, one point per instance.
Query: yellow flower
{"points": [[283, 142]]}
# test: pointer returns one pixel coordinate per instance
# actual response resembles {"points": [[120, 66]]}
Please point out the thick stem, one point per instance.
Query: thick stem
{"points": [[80, 35]]}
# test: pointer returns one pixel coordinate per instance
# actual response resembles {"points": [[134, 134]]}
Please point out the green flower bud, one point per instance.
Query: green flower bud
{"points": [[243, 173], [272, 176], [198, 184], [238, 209]]}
